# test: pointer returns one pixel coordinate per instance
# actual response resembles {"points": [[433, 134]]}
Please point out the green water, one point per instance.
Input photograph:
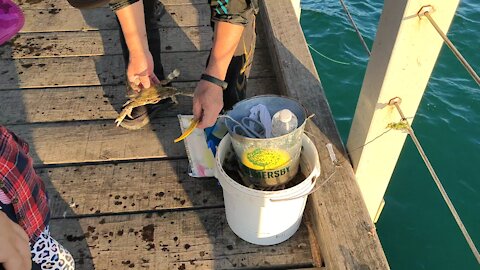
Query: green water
{"points": [[416, 228]]}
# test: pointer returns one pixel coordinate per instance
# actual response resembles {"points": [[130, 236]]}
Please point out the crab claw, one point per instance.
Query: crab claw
{"points": [[125, 112], [119, 120]]}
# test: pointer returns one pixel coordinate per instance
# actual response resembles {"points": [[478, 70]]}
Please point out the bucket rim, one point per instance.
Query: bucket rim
{"points": [[303, 187], [240, 137]]}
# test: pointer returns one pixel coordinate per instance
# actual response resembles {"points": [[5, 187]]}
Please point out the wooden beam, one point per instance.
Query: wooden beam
{"points": [[404, 53], [338, 213]]}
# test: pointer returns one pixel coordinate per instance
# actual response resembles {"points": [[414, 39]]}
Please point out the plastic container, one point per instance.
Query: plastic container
{"points": [[266, 217], [267, 162], [11, 20], [283, 122]]}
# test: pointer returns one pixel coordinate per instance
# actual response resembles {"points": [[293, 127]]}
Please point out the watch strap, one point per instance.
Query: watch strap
{"points": [[208, 78]]}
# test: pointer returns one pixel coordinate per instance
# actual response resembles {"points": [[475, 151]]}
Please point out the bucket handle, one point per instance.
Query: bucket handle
{"points": [[308, 193]]}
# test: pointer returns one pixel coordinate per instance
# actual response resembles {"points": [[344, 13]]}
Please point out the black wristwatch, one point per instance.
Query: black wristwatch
{"points": [[208, 78]]}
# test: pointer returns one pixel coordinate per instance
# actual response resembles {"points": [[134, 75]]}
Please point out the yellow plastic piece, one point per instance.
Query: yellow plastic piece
{"points": [[190, 129]]}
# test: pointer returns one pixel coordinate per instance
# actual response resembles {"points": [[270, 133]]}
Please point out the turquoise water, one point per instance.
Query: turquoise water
{"points": [[416, 228]]}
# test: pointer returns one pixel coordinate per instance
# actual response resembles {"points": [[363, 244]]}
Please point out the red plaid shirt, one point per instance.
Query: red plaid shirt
{"points": [[22, 185]]}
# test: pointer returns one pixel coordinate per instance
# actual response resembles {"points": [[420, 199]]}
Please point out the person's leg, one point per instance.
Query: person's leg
{"points": [[240, 65], [50, 254], [152, 12]]}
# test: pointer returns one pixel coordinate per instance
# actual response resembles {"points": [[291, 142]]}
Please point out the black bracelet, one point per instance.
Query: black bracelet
{"points": [[208, 78]]}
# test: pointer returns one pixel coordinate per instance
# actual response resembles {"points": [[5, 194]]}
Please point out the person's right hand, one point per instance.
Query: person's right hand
{"points": [[14, 248], [140, 71], [207, 103]]}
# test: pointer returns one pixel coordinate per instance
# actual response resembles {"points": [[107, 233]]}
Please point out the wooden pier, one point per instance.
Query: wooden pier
{"points": [[123, 199]]}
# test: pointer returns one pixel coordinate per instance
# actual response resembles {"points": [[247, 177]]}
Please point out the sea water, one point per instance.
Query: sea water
{"points": [[416, 228]]}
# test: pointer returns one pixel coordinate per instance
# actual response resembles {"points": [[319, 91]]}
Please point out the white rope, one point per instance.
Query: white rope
{"points": [[453, 48], [438, 183], [326, 57], [352, 22]]}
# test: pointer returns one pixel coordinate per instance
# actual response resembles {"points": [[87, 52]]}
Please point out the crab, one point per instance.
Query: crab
{"points": [[151, 95]]}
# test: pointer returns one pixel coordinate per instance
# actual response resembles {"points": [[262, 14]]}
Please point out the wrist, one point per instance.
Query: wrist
{"points": [[214, 80], [217, 68], [138, 51]]}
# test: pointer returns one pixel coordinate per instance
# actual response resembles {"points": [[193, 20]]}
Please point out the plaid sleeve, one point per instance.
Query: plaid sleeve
{"points": [[22, 143], [22, 185], [233, 11]]}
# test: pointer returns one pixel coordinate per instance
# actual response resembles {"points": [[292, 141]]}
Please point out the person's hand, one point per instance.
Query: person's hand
{"points": [[207, 103], [15, 249], [140, 71]]}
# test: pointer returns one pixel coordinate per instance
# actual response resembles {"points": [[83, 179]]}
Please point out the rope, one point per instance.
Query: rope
{"points": [[326, 57], [438, 183], [356, 28], [453, 48]]}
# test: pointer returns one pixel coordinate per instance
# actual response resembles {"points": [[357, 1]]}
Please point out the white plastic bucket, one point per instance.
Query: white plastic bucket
{"points": [[266, 217]]}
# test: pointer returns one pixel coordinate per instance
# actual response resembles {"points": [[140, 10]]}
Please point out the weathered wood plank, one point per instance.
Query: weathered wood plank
{"points": [[70, 142], [93, 102], [70, 19], [105, 70], [338, 213], [46, 4], [103, 42], [127, 187], [198, 239]]}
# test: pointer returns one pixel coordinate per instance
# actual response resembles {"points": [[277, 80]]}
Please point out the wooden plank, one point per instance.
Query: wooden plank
{"points": [[103, 42], [158, 185], [46, 4], [70, 19], [174, 240], [90, 141], [105, 70], [93, 102], [338, 213]]}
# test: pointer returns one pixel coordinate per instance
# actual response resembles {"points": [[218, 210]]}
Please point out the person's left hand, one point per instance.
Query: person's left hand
{"points": [[207, 103]]}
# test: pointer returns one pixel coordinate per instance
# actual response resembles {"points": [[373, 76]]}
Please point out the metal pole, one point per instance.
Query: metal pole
{"points": [[452, 47]]}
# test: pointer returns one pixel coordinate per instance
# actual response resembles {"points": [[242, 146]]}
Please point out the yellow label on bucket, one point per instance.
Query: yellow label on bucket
{"points": [[265, 159]]}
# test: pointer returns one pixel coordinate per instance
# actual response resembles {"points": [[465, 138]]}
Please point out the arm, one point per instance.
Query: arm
{"points": [[15, 249], [140, 66], [208, 97]]}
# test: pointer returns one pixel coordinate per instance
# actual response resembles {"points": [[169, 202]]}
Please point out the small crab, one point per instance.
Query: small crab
{"points": [[151, 95]]}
